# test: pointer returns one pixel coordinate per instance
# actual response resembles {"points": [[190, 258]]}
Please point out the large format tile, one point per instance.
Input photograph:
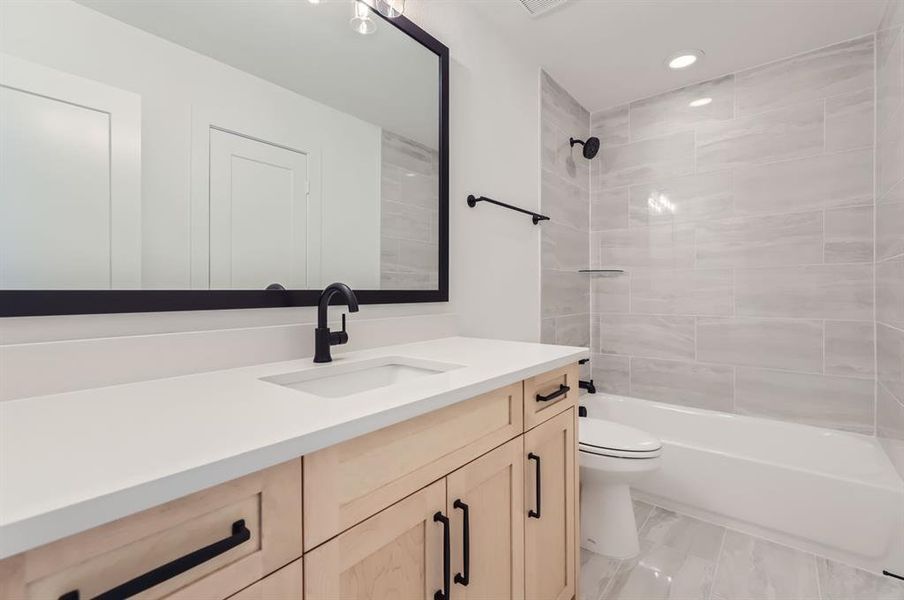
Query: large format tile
{"points": [[793, 132], [826, 181], [685, 383], [677, 560], [831, 71], [662, 246], [890, 426], [564, 202], [850, 121], [610, 373], [561, 108], [820, 400], [683, 291], [611, 126], [671, 112], [609, 209], [849, 235], [681, 200], [573, 330], [850, 348], [890, 292], [890, 359], [558, 157], [563, 293], [759, 241], [596, 574], [793, 344], [649, 336], [820, 291], [889, 229], [646, 160], [841, 582], [889, 73], [610, 294], [754, 569], [563, 247], [890, 153]]}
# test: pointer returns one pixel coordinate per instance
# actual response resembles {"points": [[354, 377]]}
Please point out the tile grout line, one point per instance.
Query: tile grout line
{"points": [[718, 561]]}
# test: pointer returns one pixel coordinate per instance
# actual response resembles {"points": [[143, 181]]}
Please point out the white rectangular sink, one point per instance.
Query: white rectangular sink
{"points": [[338, 380]]}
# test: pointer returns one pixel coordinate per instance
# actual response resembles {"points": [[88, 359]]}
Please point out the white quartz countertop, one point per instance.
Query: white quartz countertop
{"points": [[72, 461]]}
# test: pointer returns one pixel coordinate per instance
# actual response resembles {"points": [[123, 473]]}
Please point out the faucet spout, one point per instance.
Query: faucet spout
{"points": [[323, 338]]}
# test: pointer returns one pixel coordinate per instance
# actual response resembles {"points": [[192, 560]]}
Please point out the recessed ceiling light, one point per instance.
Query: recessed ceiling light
{"points": [[700, 102], [684, 59]]}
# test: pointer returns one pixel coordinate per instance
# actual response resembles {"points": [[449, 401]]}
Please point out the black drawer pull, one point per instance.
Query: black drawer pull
{"points": [[536, 513], [563, 389], [240, 534], [443, 594], [465, 576]]}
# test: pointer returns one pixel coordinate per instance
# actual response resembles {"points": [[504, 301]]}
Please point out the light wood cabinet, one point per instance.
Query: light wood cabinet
{"points": [[550, 393], [485, 500], [550, 491], [358, 478], [397, 553], [285, 584]]}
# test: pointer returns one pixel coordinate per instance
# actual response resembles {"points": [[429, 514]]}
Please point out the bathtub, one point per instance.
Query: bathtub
{"points": [[831, 493]]}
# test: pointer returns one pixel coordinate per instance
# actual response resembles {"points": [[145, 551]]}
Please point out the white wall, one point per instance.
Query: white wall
{"points": [[174, 83], [494, 253]]}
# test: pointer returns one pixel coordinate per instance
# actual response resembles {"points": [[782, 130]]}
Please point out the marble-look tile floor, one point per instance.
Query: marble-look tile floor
{"points": [[683, 557]]}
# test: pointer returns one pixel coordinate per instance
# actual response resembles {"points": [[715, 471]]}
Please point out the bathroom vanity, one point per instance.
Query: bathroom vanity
{"points": [[448, 471]]}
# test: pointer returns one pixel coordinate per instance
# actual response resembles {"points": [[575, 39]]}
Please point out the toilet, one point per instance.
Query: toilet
{"points": [[612, 457]]}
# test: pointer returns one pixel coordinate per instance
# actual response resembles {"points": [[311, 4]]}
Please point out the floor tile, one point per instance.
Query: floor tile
{"points": [[596, 574], [841, 582]]}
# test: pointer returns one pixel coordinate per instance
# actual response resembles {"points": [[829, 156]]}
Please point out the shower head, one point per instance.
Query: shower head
{"points": [[591, 146]]}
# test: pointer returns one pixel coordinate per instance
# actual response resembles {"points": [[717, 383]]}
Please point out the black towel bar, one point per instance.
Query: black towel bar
{"points": [[536, 217]]}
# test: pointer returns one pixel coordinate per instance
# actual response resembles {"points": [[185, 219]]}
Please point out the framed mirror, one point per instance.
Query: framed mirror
{"points": [[160, 155]]}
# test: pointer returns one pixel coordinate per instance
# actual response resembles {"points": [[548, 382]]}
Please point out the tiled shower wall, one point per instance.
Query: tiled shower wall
{"points": [[890, 232], [565, 198], [409, 214], [745, 228]]}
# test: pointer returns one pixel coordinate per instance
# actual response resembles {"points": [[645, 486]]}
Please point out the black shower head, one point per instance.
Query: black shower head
{"points": [[591, 146]]}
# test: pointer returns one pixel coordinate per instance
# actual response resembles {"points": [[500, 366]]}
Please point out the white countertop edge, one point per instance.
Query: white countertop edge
{"points": [[20, 536]]}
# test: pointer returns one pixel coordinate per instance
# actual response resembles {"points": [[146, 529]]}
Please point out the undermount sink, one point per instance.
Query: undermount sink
{"points": [[339, 380]]}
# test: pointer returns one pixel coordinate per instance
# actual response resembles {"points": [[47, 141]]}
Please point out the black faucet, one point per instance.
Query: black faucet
{"points": [[323, 338]]}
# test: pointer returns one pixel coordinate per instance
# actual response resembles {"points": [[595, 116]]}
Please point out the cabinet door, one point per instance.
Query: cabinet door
{"points": [[550, 494], [485, 500], [285, 584], [397, 553]]}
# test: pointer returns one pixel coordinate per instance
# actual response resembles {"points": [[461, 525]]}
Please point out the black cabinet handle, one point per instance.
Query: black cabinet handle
{"points": [[536, 513], [240, 534], [563, 389], [464, 577], [443, 594]]}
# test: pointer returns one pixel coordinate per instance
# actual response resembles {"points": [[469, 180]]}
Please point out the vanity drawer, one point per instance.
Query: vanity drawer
{"points": [[353, 480], [545, 395], [285, 584], [228, 536]]}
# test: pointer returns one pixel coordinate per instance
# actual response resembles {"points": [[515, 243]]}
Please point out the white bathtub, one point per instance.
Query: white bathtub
{"points": [[831, 493]]}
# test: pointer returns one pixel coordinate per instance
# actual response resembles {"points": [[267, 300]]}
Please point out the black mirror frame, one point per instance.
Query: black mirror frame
{"points": [[29, 303]]}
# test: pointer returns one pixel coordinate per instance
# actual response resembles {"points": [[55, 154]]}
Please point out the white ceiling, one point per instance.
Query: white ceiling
{"points": [[608, 52], [309, 49]]}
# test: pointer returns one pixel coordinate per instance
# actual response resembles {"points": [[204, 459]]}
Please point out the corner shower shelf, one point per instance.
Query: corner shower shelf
{"points": [[601, 271]]}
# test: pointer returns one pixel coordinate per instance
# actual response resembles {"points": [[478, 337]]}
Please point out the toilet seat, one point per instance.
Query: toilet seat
{"points": [[606, 438]]}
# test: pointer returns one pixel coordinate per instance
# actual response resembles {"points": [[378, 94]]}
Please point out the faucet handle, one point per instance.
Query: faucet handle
{"points": [[339, 337]]}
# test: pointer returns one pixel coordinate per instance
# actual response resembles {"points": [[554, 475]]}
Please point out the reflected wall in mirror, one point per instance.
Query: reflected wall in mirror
{"points": [[218, 145]]}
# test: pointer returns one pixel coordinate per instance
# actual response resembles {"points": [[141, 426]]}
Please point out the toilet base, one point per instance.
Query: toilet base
{"points": [[607, 520]]}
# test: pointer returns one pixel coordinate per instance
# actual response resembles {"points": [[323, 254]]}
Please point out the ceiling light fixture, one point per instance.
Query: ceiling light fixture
{"points": [[700, 102], [684, 59], [362, 22]]}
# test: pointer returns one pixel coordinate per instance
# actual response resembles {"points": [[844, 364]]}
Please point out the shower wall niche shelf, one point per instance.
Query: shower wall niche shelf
{"points": [[536, 217]]}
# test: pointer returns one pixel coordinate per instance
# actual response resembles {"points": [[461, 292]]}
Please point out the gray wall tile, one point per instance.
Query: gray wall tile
{"points": [[889, 229], [611, 126], [646, 160], [610, 373], [754, 241], [826, 181], [850, 348], [849, 235], [610, 294], [890, 153], [648, 336], [850, 121], [821, 291], [671, 112], [681, 200], [563, 293], [890, 292], [890, 427], [563, 202], [777, 343], [573, 330], [563, 248], [890, 359], [662, 246], [609, 209], [786, 133], [831, 71], [681, 382], [889, 73], [705, 292], [820, 400]]}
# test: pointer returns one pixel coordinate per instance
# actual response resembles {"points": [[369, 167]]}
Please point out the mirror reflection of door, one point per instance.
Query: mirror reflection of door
{"points": [[258, 214]]}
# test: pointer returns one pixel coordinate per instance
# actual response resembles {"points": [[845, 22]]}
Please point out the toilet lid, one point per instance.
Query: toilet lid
{"points": [[597, 435]]}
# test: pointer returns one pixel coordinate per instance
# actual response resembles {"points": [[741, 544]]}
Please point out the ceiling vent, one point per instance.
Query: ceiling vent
{"points": [[539, 7]]}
